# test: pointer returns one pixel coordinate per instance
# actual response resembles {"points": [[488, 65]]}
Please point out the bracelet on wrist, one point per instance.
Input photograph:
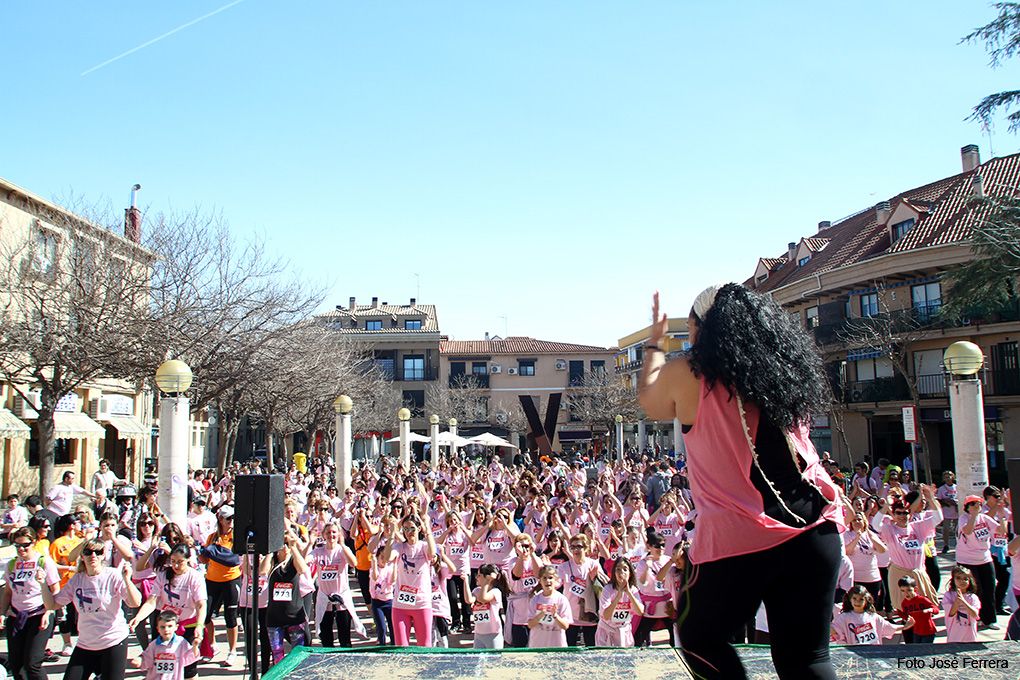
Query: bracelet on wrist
{"points": [[653, 348]]}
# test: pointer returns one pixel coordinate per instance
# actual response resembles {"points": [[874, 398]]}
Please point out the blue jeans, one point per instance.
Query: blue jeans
{"points": [[382, 613]]}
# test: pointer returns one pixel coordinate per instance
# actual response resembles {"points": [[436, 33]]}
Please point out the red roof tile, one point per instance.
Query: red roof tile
{"points": [[944, 218], [516, 345]]}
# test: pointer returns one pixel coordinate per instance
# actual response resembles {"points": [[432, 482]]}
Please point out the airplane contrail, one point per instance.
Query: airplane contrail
{"points": [[165, 35]]}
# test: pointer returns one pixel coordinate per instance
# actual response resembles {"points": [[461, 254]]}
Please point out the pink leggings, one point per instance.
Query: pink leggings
{"points": [[421, 619]]}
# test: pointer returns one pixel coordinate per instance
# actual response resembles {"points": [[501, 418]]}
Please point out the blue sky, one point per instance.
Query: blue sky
{"points": [[548, 162]]}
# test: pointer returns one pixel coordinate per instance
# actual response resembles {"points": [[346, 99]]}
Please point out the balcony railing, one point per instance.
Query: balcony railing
{"points": [[879, 389], [402, 374], [630, 366]]}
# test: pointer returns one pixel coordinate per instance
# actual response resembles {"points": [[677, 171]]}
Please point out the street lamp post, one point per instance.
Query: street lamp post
{"points": [[434, 436], [963, 360], [342, 456], [642, 435], [619, 438], [404, 415], [453, 435], [173, 378]]}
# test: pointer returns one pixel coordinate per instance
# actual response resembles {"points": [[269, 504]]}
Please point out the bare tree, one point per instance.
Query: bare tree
{"points": [[599, 397], [893, 334], [73, 309], [463, 399]]}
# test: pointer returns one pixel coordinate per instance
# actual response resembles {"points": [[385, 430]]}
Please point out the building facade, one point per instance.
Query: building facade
{"points": [[504, 369], [871, 288], [107, 418], [650, 434]]}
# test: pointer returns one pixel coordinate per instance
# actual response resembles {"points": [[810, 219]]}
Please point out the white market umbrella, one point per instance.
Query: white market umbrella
{"points": [[411, 437], [489, 439], [448, 438]]}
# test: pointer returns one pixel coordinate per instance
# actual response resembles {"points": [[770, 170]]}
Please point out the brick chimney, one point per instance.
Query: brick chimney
{"points": [[882, 212], [375, 303], [970, 157], [977, 185], [351, 303], [791, 251], [133, 219], [824, 224], [413, 300]]}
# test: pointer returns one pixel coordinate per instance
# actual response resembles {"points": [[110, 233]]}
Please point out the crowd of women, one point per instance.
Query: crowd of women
{"points": [[545, 553]]}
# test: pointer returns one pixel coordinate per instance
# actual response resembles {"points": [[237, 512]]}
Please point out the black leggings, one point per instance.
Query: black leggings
{"points": [[265, 656], [340, 619], [984, 574], [110, 663], [876, 590], [363, 585], [460, 610], [1002, 581], [576, 634], [796, 580], [27, 648], [643, 634]]}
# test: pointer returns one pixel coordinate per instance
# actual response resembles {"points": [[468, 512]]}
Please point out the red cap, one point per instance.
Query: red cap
{"points": [[972, 499]]}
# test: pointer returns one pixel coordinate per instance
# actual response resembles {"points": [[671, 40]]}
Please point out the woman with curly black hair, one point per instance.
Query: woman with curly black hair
{"points": [[767, 511]]}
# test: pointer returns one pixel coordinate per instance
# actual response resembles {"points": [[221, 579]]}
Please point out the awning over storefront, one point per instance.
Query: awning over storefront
{"points": [[575, 435], [76, 425], [128, 427], [11, 427]]}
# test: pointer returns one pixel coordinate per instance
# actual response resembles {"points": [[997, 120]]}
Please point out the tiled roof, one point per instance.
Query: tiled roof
{"points": [[815, 244], [516, 345], [944, 218], [342, 316], [772, 262]]}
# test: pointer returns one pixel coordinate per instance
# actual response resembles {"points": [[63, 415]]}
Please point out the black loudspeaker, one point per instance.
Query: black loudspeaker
{"points": [[1013, 471], [258, 509]]}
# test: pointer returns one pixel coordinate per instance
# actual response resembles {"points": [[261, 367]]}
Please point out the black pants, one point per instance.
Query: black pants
{"points": [[984, 574], [1001, 583], [576, 633], [69, 624], [796, 581], [519, 635], [931, 567], [110, 663], [363, 585], [886, 603], [266, 655], [341, 620], [27, 647], [227, 594], [643, 634], [460, 610], [875, 589], [191, 670]]}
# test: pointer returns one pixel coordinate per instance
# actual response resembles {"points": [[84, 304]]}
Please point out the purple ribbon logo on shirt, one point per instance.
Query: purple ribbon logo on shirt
{"points": [[79, 595], [408, 564], [170, 594]]}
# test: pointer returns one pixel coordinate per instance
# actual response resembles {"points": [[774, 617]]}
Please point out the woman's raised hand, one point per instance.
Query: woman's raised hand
{"points": [[660, 325]]}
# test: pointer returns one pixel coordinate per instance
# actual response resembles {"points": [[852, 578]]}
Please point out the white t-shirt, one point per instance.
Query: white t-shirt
{"points": [[61, 498]]}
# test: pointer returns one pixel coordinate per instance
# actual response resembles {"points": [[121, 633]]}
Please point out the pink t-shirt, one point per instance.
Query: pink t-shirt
{"points": [[522, 586], [413, 582], [458, 546], [440, 599], [906, 545], [97, 599], [668, 526], [851, 628], [976, 547], [330, 569], [61, 497], [26, 593], [864, 558], [731, 520], [548, 633], [963, 626], [498, 546], [947, 492], [485, 615], [166, 661], [623, 614], [575, 582], [380, 580], [182, 595]]}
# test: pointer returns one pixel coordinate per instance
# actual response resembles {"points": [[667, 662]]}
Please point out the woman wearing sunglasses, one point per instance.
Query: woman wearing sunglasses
{"points": [[29, 625], [905, 536], [96, 592]]}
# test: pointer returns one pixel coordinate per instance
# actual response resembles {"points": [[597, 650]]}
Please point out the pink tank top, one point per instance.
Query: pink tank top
{"points": [[730, 517]]}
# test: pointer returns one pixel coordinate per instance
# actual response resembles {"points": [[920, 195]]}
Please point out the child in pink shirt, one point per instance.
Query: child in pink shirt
{"points": [[549, 613], [860, 624], [166, 657], [486, 601], [961, 606]]}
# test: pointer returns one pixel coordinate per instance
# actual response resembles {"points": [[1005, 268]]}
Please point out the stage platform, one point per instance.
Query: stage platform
{"points": [[987, 661]]}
